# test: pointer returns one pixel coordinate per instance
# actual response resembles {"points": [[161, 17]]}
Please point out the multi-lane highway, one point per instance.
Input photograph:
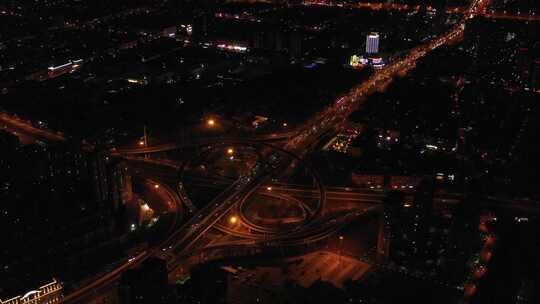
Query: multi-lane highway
{"points": [[27, 132], [387, 6], [307, 137], [315, 129], [104, 283]]}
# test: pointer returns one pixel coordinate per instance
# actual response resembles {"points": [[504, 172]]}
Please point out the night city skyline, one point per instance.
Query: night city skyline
{"points": [[269, 151]]}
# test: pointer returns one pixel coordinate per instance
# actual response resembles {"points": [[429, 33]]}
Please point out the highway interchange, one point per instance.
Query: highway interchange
{"points": [[275, 164], [182, 241]]}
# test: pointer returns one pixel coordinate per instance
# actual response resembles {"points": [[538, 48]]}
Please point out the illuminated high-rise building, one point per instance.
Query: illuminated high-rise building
{"points": [[372, 43]]}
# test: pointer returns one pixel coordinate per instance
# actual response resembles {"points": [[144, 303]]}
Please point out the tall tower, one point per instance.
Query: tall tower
{"points": [[390, 224], [523, 66], [535, 82], [383, 239], [372, 43]]}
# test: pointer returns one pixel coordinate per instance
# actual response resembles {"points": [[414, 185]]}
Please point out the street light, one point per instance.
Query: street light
{"points": [[230, 151], [141, 143], [269, 188], [156, 186], [210, 122], [233, 220], [340, 248]]}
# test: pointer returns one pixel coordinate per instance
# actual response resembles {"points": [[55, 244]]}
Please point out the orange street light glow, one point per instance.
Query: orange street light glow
{"points": [[156, 186], [233, 219], [269, 188], [211, 122], [141, 143], [230, 151]]}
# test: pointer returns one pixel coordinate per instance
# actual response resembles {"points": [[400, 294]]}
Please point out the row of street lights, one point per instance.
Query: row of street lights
{"points": [[210, 122], [144, 141]]}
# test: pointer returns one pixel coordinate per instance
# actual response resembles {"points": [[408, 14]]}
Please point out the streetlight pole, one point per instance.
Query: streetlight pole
{"points": [[145, 140], [145, 136], [340, 249]]}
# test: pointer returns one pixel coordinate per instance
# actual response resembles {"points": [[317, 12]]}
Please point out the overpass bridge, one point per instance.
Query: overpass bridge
{"points": [[181, 242]]}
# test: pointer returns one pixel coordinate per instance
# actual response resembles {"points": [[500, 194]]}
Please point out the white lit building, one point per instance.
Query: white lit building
{"points": [[372, 43], [47, 294]]}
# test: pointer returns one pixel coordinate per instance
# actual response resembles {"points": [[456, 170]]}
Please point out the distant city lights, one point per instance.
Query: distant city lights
{"points": [[232, 47], [358, 62]]}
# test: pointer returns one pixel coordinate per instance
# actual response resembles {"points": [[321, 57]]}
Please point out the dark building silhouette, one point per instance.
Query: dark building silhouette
{"points": [[208, 284], [8, 141], [535, 77], [410, 234], [147, 284], [390, 224], [59, 199]]}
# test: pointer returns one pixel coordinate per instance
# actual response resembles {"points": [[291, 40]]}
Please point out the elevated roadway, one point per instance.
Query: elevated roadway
{"points": [[26, 131], [182, 240], [104, 282]]}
